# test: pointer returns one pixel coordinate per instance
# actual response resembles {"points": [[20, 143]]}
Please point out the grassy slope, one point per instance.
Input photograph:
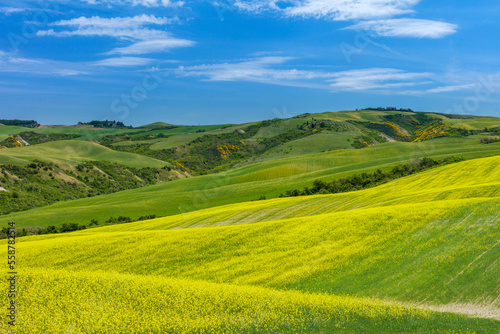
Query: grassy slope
{"points": [[435, 185], [185, 134], [323, 142], [73, 152], [443, 250], [175, 141], [269, 178]]}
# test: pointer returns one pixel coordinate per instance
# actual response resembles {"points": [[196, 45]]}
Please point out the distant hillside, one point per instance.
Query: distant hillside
{"points": [[157, 125], [212, 151]]}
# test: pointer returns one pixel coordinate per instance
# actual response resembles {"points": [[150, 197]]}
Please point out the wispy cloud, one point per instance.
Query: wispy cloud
{"points": [[11, 10], [124, 61], [452, 88], [377, 78], [151, 46], [134, 29], [129, 28], [255, 70], [264, 70], [340, 10], [343, 10], [145, 3], [406, 28], [15, 64]]}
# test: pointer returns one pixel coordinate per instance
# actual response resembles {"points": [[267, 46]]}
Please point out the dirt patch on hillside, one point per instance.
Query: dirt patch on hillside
{"points": [[477, 311], [389, 139]]}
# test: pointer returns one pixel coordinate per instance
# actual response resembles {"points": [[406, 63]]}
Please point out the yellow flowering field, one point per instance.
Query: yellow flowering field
{"points": [[57, 301], [317, 264]]}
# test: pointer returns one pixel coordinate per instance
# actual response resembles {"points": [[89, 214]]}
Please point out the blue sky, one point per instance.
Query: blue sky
{"points": [[226, 61]]}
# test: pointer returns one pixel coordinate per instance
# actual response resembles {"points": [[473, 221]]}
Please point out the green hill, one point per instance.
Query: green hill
{"points": [[267, 178], [73, 152], [206, 149], [154, 125]]}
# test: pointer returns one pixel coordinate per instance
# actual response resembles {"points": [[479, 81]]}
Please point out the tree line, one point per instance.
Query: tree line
{"points": [[368, 180]]}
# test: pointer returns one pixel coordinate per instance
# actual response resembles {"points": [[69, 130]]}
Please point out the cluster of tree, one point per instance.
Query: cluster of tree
{"points": [[43, 183], [324, 124], [492, 131], [69, 227], [131, 136], [490, 140], [388, 109], [121, 220], [20, 122], [66, 227], [106, 124], [367, 180]]}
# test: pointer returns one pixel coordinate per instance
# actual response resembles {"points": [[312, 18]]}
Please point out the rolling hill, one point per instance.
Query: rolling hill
{"points": [[268, 178], [362, 262], [418, 254], [73, 152]]}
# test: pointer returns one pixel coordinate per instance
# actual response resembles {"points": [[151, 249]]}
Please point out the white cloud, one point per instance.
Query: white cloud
{"points": [[151, 46], [444, 89], [350, 9], [131, 28], [123, 61], [264, 70], [96, 21], [340, 10], [375, 15], [11, 10], [134, 29], [145, 3], [377, 78], [258, 70], [407, 28], [13, 64]]}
